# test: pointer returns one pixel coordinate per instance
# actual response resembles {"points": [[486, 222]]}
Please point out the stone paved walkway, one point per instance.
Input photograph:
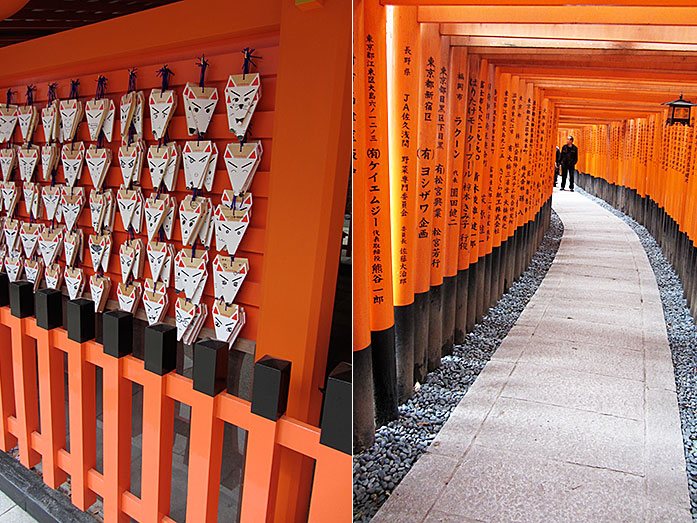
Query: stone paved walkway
{"points": [[575, 417]]}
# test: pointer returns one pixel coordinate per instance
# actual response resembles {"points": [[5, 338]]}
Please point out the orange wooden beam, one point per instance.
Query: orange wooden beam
{"points": [[566, 14], [601, 32]]}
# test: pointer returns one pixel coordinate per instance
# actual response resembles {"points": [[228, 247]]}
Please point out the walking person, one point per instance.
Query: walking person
{"points": [[556, 165], [568, 159]]}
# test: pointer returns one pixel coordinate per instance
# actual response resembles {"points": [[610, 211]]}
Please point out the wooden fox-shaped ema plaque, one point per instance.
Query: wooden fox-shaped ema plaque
{"points": [[230, 227], [130, 203], [199, 106], [196, 156], [157, 253], [155, 301], [156, 208], [131, 258], [162, 107], [29, 234], [158, 160], [71, 113], [242, 94], [28, 159], [241, 162], [129, 296], [98, 162], [72, 246], [100, 286], [11, 229], [51, 195], [192, 215], [72, 203], [191, 275], [8, 121], [54, 276], [102, 210], [50, 243], [34, 272], [228, 320], [99, 246], [50, 122], [131, 162], [28, 118], [74, 281], [10, 197], [189, 319], [8, 160], [49, 160], [14, 264], [95, 114], [228, 275], [73, 157], [32, 198]]}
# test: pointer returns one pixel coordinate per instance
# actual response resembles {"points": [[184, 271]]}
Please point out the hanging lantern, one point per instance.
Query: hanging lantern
{"points": [[679, 111]]}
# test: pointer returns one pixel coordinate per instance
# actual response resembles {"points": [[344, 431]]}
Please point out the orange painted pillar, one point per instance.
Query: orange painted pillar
{"points": [[426, 120], [299, 331], [468, 204], [158, 436], [363, 400], [403, 91], [441, 145], [25, 390], [117, 399], [454, 323], [376, 175], [52, 398]]}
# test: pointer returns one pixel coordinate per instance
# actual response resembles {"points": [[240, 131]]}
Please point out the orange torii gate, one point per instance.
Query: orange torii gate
{"points": [[453, 166]]}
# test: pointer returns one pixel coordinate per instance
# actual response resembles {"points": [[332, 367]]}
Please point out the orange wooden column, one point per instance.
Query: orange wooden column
{"points": [[52, 398], [454, 323], [7, 393], [363, 399], [376, 174], [158, 436], [25, 390], [468, 207], [298, 330], [439, 179], [426, 120], [117, 399], [403, 90]]}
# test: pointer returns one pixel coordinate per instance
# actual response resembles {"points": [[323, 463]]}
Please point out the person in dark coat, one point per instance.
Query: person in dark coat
{"points": [[568, 159], [556, 165]]}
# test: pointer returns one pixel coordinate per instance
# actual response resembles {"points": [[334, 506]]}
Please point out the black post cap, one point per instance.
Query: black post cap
{"points": [[336, 411], [160, 342], [81, 320], [4, 289], [117, 333], [210, 366], [49, 308], [21, 298], [270, 387]]}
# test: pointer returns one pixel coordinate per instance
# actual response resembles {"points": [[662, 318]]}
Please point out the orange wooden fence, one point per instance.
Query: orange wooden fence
{"points": [[33, 352]]}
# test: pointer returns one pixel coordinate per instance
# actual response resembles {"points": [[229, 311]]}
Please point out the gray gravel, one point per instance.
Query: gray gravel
{"points": [[400, 443], [682, 337]]}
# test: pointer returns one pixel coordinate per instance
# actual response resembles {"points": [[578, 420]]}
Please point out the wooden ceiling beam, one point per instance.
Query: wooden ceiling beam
{"points": [[567, 14], [572, 44], [609, 73], [599, 32]]}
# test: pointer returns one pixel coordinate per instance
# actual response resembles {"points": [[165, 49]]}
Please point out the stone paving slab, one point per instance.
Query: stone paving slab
{"points": [[575, 417]]}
